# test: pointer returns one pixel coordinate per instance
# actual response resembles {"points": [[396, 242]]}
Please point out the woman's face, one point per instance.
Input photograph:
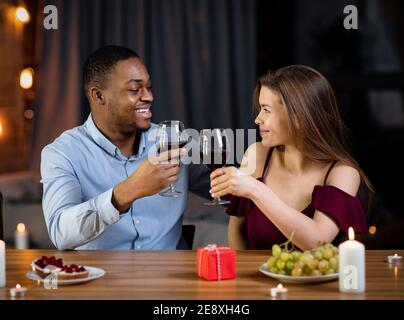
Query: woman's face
{"points": [[272, 119]]}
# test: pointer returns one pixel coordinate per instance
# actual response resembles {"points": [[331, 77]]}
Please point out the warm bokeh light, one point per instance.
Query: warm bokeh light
{"points": [[280, 286], [22, 15], [18, 286], [351, 233], [1, 129], [20, 227], [28, 114], [372, 229], [27, 78]]}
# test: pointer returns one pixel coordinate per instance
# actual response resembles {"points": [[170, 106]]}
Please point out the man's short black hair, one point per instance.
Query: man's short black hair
{"points": [[101, 62]]}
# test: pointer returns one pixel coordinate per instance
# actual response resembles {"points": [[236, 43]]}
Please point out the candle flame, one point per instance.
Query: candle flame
{"points": [[18, 286], [351, 233], [395, 255], [20, 227], [280, 286]]}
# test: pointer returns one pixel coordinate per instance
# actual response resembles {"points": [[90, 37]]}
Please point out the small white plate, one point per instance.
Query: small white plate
{"points": [[93, 273], [303, 279]]}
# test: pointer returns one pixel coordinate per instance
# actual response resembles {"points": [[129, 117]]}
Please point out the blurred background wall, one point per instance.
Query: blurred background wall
{"points": [[203, 57]]}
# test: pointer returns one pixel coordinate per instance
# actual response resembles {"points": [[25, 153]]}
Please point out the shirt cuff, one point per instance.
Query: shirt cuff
{"points": [[105, 208]]}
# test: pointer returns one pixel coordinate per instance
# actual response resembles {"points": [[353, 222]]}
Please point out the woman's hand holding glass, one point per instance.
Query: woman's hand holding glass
{"points": [[232, 181]]}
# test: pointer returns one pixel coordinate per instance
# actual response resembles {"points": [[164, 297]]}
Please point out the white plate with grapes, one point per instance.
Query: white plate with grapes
{"points": [[298, 279], [289, 265]]}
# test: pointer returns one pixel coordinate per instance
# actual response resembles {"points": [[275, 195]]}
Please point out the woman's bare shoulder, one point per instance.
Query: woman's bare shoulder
{"points": [[344, 177]]}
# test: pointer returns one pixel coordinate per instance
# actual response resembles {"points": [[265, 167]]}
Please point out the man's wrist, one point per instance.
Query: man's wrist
{"points": [[123, 196]]}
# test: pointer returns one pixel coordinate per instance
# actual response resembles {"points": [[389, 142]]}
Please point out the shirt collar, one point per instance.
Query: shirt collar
{"points": [[106, 144]]}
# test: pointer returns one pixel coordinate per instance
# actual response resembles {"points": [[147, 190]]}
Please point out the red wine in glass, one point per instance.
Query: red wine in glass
{"points": [[215, 159], [168, 146]]}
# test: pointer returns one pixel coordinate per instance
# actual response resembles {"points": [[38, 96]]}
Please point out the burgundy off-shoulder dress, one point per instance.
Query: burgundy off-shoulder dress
{"points": [[346, 210]]}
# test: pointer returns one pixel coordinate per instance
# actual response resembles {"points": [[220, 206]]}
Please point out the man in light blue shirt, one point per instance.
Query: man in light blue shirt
{"points": [[100, 187]]}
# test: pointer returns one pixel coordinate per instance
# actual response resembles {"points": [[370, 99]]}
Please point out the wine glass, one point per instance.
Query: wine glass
{"points": [[214, 150], [170, 137]]}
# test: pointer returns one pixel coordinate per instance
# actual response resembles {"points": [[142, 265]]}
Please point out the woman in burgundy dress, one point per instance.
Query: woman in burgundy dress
{"points": [[300, 177]]}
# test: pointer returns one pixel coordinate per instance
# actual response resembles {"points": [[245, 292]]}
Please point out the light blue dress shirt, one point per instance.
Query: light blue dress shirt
{"points": [[79, 170]]}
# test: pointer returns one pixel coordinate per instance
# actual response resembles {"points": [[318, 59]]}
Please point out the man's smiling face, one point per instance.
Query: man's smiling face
{"points": [[128, 96]]}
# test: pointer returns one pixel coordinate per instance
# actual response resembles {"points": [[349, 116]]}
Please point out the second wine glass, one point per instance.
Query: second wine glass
{"points": [[214, 150]]}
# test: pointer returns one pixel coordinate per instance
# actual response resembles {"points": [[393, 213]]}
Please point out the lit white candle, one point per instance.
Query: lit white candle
{"points": [[351, 265], [21, 237], [18, 291], [2, 264], [279, 292]]}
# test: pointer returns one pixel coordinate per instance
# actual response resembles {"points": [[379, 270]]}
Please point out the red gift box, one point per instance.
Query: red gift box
{"points": [[216, 262]]}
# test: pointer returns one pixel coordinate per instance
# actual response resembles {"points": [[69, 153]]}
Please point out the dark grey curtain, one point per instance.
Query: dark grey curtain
{"points": [[201, 55]]}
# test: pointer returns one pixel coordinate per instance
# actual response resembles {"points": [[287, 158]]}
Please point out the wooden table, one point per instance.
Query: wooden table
{"points": [[172, 276]]}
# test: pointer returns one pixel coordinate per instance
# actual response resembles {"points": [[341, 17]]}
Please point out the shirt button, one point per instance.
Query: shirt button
{"points": [[138, 247], [137, 221]]}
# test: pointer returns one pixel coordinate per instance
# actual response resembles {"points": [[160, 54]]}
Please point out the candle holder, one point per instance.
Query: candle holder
{"points": [[18, 292], [279, 292], [396, 259]]}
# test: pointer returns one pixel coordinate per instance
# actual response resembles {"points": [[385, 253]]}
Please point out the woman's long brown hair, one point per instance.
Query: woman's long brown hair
{"points": [[313, 118]]}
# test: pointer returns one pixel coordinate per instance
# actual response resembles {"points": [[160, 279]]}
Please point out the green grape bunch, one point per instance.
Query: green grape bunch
{"points": [[322, 260]]}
